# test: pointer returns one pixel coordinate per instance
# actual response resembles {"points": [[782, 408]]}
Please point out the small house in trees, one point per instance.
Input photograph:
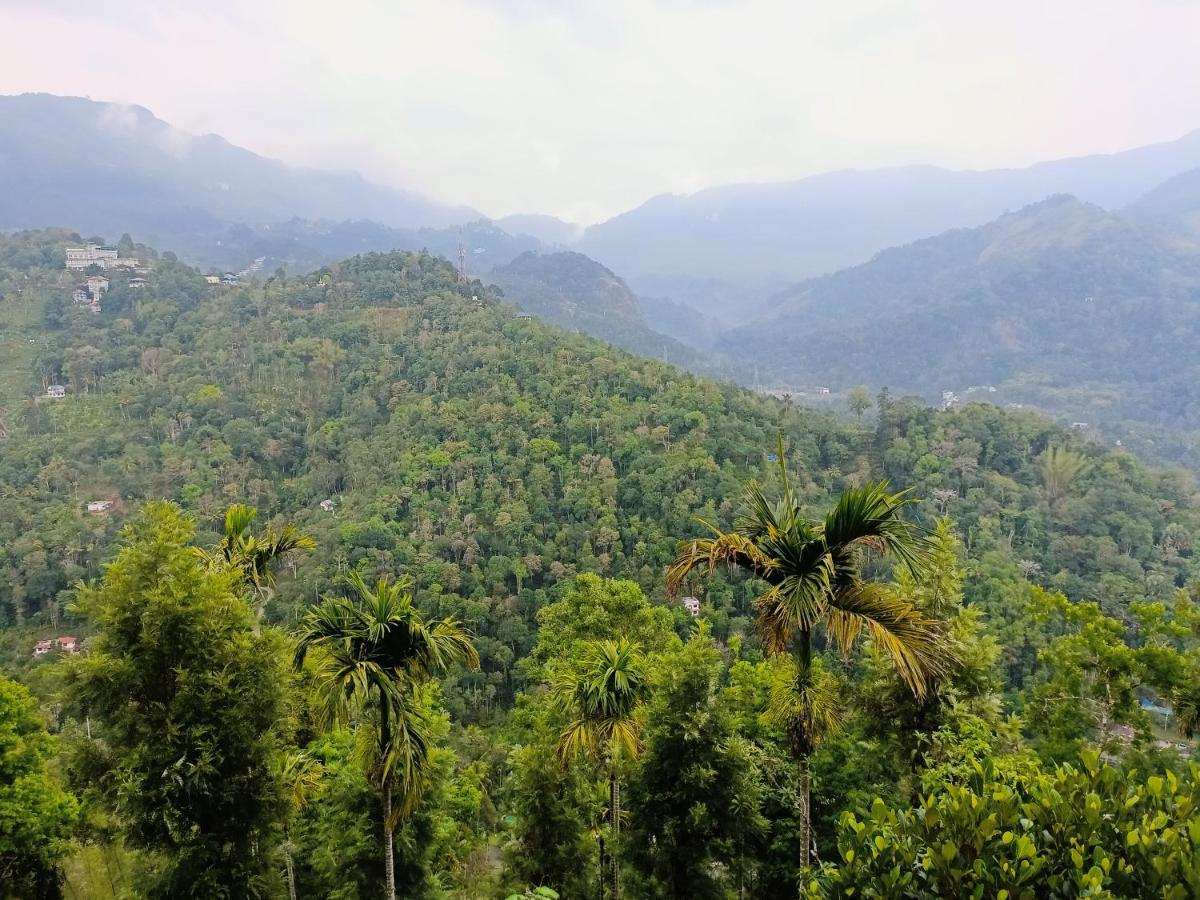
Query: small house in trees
{"points": [[100, 506], [68, 644], [692, 605], [56, 392], [41, 648], [212, 279]]}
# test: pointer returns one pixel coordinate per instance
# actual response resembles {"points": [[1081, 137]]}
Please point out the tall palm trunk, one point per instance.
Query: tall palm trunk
{"points": [[287, 857], [805, 808], [603, 865], [614, 857], [803, 752], [389, 863]]}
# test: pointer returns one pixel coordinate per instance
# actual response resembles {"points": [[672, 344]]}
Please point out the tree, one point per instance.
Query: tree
{"points": [[694, 799], [599, 609], [859, 400], [185, 698], [814, 580], [553, 807], [1093, 673], [299, 775], [967, 686], [603, 698], [253, 556], [1088, 830], [36, 815], [373, 654], [1060, 466]]}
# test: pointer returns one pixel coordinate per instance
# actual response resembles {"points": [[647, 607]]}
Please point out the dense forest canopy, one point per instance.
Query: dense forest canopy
{"points": [[458, 470]]}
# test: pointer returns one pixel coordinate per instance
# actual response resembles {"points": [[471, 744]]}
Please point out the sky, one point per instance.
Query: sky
{"points": [[585, 109]]}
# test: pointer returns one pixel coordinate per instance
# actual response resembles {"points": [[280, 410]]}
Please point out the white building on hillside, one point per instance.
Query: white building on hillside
{"points": [[93, 255]]}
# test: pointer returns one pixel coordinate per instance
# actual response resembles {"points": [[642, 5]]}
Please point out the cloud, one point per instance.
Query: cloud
{"points": [[585, 108]]}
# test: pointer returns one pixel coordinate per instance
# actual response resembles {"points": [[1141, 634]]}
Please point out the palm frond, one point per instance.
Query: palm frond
{"points": [[797, 604], [602, 697], [706, 555], [918, 647], [869, 517], [298, 773]]}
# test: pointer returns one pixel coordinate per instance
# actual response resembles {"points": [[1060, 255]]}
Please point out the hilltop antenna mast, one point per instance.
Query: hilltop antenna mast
{"points": [[462, 259]]}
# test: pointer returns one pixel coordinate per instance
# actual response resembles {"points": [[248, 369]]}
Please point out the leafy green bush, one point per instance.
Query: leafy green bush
{"points": [[1086, 831]]}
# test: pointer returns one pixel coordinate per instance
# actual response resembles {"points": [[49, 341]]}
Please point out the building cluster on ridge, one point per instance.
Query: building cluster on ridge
{"points": [[95, 255], [91, 291]]}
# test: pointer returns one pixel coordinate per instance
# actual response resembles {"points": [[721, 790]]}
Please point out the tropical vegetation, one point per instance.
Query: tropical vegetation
{"points": [[389, 596]]}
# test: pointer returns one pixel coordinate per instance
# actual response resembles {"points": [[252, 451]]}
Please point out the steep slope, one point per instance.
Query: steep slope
{"points": [[1059, 297], [108, 167], [758, 235], [578, 293], [1173, 207]]}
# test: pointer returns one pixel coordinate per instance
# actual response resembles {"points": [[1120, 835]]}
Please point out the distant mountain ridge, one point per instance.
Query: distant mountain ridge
{"points": [[765, 236], [1063, 305], [110, 167]]}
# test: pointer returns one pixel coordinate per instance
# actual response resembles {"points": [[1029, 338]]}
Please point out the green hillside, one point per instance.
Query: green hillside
{"points": [[414, 424]]}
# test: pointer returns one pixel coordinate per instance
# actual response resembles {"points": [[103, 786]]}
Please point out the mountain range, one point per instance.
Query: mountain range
{"points": [[1064, 305], [765, 236], [1067, 285], [108, 167]]}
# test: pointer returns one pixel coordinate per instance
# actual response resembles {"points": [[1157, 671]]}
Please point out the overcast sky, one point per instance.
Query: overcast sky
{"points": [[584, 109]]}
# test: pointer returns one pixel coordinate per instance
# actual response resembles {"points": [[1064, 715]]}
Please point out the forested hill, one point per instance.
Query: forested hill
{"points": [[412, 424], [578, 294], [1062, 305], [490, 455]]}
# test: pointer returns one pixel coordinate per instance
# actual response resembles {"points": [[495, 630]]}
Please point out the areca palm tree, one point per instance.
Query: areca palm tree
{"points": [[814, 581], [374, 652], [603, 698], [255, 555], [299, 775]]}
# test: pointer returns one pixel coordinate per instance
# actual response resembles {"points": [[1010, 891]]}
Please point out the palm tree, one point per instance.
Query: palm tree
{"points": [[1060, 466], [814, 583], [603, 698], [374, 655], [255, 555], [299, 775]]}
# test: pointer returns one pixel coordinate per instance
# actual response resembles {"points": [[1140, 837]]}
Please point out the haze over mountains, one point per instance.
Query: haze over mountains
{"points": [[969, 277], [112, 168], [765, 235], [67, 160]]}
